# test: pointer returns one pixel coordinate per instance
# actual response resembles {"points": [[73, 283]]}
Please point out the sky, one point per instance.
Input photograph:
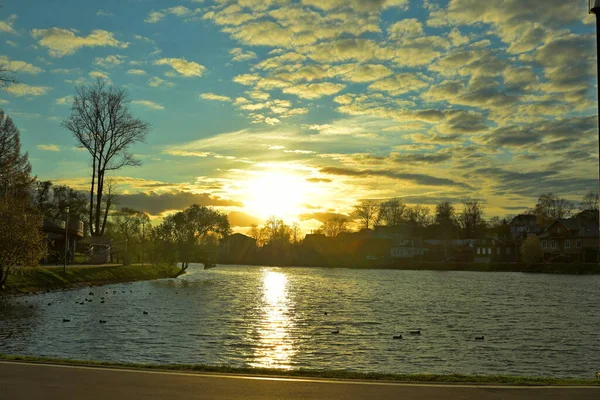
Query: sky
{"points": [[301, 108]]}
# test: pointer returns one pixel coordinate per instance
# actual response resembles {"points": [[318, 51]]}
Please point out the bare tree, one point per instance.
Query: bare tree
{"points": [[5, 76], [366, 211], [589, 202], [334, 226], [15, 170], [419, 215], [392, 212], [102, 124], [471, 218], [296, 232], [551, 207]]}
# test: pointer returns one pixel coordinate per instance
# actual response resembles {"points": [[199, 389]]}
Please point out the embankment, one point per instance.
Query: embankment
{"points": [[23, 280]]}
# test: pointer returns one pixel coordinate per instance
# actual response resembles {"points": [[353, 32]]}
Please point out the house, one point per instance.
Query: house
{"points": [[495, 249], [523, 225], [407, 248], [54, 230], [238, 249], [572, 238]]}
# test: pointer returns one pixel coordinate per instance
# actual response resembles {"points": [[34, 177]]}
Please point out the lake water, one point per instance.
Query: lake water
{"points": [[533, 324]]}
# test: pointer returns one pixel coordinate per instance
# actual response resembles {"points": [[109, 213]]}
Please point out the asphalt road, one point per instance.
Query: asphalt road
{"points": [[26, 381]]}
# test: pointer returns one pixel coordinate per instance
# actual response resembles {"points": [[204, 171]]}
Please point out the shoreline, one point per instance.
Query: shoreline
{"points": [[507, 380], [565, 269], [24, 281]]}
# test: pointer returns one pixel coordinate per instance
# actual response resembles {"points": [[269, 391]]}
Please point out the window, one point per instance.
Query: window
{"points": [[544, 244], [478, 250], [508, 250], [578, 243], [489, 250], [497, 250], [567, 244], [553, 244]]}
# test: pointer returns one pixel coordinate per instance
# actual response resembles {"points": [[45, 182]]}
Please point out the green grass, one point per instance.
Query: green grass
{"points": [[325, 374], [23, 280]]}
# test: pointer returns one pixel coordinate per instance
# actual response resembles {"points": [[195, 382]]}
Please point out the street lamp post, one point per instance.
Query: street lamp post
{"points": [[594, 8], [66, 238]]}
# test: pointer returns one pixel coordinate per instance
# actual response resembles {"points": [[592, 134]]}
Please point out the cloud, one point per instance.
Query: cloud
{"points": [[62, 42], [109, 61], [19, 66], [241, 55], [104, 13], [155, 81], [215, 97], [419, 179], [155, 204], [21, 89], [7, 25], [179, 11], [67, 100], [136, 72], [99, 74], [48, 147], [148, 104], [406, 28], [314, 90], [182, 66], [399, 84]]}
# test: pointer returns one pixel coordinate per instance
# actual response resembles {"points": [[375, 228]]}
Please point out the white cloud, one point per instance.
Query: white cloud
{"points": [[62, 42], [109, 61], [21, 89], [179, 11], [99, 74], [136, 72], [148, 104], [241, 55], [104, 13], [7, 25], [406, 28], [64, 100], [155, 81], [11, 43], [314, 90], [182, 66], [214, 97], [48, 147], [19, 66]]}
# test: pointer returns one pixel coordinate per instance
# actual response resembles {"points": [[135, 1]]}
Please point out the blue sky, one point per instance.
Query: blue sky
{"points": [[317, 104]]}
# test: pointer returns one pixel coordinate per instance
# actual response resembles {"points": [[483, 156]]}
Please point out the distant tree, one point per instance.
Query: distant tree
{"points": [[471, 219], [22, 241], [102, 124], [257, 234], [129, 225], [444, 212], [550, 207], [531, 250], [589, 202], [15, 170], [277, 231], [296, 232], [392, 212], [334, 226], [190, 235], [366, 211], [419, 215], [52, 200], [499, 226]]}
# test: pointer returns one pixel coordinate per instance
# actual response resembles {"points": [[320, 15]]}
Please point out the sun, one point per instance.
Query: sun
{"points": [[276, 193]]}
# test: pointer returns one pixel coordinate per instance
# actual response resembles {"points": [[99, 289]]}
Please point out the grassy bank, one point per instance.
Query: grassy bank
{"points": [[22, 280], [324, 374]]}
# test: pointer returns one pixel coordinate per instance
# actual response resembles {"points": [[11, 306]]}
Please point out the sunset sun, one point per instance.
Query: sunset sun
{"points": [[276, 193]]}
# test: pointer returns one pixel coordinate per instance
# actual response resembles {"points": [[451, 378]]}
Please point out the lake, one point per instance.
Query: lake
{"points": [[533, 324]]}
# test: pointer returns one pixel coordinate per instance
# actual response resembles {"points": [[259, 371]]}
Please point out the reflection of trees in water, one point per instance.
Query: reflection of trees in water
{"points": [[17, 322]]}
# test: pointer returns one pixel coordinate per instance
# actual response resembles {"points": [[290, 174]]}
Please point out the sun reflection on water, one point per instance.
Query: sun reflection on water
{"points": [[276, 344]]}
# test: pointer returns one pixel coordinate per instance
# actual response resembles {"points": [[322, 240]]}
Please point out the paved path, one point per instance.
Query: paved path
{"points": [[26, 381]]}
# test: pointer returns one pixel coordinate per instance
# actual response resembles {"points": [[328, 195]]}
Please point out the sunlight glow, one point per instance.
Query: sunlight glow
{"points": [[276, 193], [276, 345]]}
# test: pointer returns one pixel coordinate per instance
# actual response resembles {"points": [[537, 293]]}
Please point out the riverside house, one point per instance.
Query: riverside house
{"points": [[54, 230], [572, 238]]}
